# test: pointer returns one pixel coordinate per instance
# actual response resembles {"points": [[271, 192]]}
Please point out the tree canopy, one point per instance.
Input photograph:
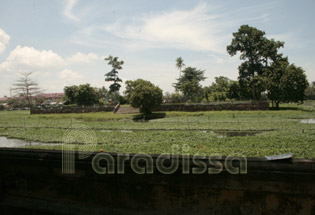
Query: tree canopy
{"points": [[310, 91], [189, 84], [264, 69], [82, 95], [257, 52], [180, 64], [143, 95], [222, 89], [27, 88], [293, 84], [112, 76]]}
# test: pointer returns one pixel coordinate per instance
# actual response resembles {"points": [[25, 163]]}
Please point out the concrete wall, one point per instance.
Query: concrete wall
{"points": [[72, 109], [31, 182], [246, 105]]}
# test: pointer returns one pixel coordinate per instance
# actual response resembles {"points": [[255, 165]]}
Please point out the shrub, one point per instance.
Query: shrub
{"points": [[143, 95]]}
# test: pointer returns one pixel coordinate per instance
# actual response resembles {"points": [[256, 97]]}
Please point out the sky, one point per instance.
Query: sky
{"points": [[65, 42]]}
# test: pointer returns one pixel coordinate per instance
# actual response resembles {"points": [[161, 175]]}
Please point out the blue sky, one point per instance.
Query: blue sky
{"points": [[65, 42]]}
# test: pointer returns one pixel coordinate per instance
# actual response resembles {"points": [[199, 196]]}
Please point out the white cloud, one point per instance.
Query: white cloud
{"points": [[206, 27], [69, 4], [69, 74], [4, 40], [26, 58], [82, 58], [194, 29], [23, 59]]}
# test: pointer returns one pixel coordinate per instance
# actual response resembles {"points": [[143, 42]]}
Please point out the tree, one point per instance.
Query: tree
{"points": [[102, 92], [81, 95], [71, 94], [27, 88], [174, 97], [112, 76], [257, 52], [294, 84], [274, 74], [234, 91], [286, 82], [264, 69], [87, 95], [224, 88], [206, 93], [180, 64], [310, 91], [189, 84], [143, 95], [219, 89]]}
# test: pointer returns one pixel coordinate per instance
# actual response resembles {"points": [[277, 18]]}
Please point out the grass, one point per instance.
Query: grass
{"points": [[178, 132]]}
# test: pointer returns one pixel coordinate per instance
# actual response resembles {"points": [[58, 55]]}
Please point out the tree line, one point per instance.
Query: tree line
{"points": [[263, 74]]}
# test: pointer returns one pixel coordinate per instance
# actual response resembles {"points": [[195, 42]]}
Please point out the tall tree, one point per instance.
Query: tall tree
{"points": [[293, 84], [112, 76], [274, 74], [27, 88], [189, 84], [180, 64], [257, 52]]}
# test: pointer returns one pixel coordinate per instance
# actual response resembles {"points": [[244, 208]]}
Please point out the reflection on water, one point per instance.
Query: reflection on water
{"points": [[312, 121], [123, 131], [9, 143], [221, 134]]}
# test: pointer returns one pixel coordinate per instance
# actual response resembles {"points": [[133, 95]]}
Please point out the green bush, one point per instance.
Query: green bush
{"points": [[143, 95], [81, 95]]}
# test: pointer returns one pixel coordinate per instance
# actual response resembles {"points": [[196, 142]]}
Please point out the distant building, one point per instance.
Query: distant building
{"points": [[52, 99], [53, 96]]}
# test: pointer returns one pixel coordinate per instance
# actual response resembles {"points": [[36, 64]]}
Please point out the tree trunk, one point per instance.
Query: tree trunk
{"points": [[277, 105], [254, 93]]}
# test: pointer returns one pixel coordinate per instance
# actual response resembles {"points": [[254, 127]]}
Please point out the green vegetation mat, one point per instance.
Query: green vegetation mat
{"points": [[266, 132]]}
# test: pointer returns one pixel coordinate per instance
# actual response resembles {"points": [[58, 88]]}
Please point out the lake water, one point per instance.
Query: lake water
{"points": [[312, 121], [221, 134], [15, 143]]}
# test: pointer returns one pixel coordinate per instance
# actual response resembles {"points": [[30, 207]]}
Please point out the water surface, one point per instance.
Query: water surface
{"points": [[16, 143], [311, 121]]}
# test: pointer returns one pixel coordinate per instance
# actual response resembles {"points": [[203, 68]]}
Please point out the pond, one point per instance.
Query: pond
{"points": [[15, 143], [221, 134], [311, 121], [123, 131]]}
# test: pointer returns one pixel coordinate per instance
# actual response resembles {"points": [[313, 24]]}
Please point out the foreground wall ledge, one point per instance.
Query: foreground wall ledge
{"points": [[31, 182]]}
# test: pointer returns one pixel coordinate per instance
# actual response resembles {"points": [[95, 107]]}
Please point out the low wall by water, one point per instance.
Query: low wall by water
{"points": [[72, 109], [238, 105], [31, 182]]}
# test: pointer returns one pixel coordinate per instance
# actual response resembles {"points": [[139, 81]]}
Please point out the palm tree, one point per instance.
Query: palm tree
{"points": [[180, 64]]}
